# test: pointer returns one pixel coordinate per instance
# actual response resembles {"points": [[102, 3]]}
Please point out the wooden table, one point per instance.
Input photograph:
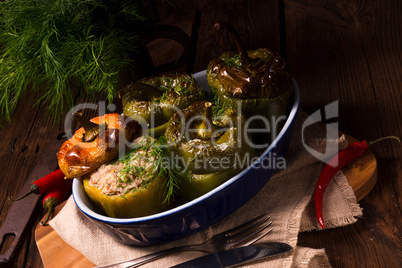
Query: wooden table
{"points": [[346, 51]]}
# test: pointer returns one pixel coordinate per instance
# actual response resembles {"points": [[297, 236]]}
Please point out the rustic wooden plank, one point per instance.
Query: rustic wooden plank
{"points": [[347, 51], [31, 144], [29, 153], [337, 50], [54, 251], [383, 55], [256, 21]]}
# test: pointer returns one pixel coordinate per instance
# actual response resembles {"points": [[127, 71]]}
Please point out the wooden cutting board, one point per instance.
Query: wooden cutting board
{"points": [[55, 253]]}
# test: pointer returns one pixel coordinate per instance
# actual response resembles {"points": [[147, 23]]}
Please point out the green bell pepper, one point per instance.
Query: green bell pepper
{"points": [[153, 100], [254, 81], [209, 144], [143, 202], [137, 185]]}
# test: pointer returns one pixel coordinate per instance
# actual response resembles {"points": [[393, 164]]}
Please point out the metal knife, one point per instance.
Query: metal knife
{"points": [[237, 256], [16, 222], [19, 217]]}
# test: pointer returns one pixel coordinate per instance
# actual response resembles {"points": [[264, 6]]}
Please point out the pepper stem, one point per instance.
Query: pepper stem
{"points": [[91, 129], [34, 189], [239, 42], [49, 204], [384, 138], [205, 128]]}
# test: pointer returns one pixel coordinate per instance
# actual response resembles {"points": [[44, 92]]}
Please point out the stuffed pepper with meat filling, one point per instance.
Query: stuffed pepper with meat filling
{"points": [[254, 81], [208, 142], [97, 142], [140, 184], [156, 99]]}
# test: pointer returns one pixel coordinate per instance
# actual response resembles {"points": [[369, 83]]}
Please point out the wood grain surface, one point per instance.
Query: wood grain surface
{"points": [[54, 251], [337, 50]]}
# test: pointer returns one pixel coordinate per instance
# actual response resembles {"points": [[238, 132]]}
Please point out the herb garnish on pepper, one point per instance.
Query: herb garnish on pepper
{"points": [[142, 183], [156, 99]]}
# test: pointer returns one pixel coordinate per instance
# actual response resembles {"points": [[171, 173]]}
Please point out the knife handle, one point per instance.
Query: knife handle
{"points": [[16, 222]]}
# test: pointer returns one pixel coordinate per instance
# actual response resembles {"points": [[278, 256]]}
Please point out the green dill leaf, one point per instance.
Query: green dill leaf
{"points": [[167, 168], [220, 106], [234, 62], [162, 167], [53, 49]]}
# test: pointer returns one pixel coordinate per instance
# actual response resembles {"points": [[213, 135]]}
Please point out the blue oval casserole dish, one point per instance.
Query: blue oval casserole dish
{"points": [[200, 213]]}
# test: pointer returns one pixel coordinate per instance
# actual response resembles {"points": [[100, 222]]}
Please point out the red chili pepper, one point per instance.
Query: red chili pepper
{"points": [[55, 196], [347, 155], [43, 184]]}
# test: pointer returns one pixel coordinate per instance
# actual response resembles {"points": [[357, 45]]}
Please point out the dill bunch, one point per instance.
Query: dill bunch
{"points": [[48, 48]]}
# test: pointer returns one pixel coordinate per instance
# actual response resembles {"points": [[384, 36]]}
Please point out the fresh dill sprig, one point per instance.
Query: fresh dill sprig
{"points": [[162, 166], [182, 85], [52, 49], [167, 167], [234, 62], [220, 106]]}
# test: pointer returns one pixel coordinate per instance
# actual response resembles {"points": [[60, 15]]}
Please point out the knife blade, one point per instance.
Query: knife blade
{"points": [[237, 256]]}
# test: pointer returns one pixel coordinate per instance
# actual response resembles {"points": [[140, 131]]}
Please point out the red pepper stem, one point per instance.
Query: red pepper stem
{"points": [[384, 138], [34, 190], [50, 203]]}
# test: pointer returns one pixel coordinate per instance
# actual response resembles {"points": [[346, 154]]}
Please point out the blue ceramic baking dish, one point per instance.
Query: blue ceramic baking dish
{"points": [[200, 213]]}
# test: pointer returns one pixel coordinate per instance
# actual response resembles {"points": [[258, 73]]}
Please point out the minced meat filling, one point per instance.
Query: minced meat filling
{"points": [[127, 175]]}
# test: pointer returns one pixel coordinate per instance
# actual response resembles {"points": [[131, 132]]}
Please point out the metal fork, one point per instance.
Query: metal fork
{"points": [[243, 235]]}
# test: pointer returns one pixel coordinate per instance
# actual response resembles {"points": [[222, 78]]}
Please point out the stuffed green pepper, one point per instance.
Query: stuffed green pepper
{"points": [[153, 100], [255, 81], [207, 142], [136, 185]]}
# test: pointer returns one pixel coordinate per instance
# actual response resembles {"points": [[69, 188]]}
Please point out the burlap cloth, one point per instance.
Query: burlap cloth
{"points": [[287, 197]]}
